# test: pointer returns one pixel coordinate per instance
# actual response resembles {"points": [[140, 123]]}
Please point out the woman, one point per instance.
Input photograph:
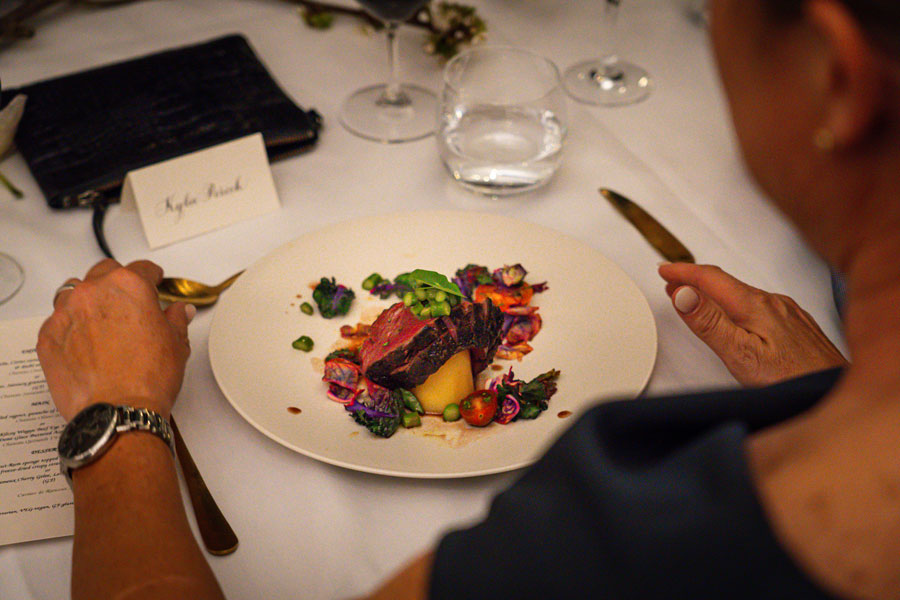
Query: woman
{"points": [[791, 490]]}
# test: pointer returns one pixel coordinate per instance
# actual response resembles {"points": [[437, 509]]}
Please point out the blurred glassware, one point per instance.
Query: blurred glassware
{"points": [[607, 81], [12, 276], [502, 120], [391, 112]]}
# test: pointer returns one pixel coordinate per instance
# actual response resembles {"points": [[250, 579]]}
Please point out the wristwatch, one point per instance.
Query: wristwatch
{"points": [[94, 429]]}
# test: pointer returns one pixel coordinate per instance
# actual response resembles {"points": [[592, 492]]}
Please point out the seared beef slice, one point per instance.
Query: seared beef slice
{"points": [[403, 350]]}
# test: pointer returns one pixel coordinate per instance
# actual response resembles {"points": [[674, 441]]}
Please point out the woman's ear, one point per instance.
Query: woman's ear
{"points": [[854, 86]]}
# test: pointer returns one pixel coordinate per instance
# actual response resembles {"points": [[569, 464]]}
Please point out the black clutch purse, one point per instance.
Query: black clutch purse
{"points": [[83, 132]]}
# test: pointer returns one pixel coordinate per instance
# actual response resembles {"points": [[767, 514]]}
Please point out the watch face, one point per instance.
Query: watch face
{"points": [[90, 428]]}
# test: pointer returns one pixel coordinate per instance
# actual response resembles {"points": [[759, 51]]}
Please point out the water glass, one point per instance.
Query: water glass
{"points": [[502, 120]]}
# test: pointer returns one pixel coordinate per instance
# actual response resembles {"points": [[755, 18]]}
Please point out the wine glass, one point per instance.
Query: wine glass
{"points": [[11, 277], [391, 112], [11, 273], [607, 80]]}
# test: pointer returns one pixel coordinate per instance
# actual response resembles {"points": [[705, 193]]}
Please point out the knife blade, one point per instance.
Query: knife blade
{"points": [[217, 535], [659, 237]]}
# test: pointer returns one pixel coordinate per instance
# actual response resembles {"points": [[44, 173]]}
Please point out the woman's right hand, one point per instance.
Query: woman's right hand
{"points": [[762, 338]]}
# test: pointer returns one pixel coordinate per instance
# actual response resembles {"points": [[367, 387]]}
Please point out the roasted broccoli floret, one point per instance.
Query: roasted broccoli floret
{"points": [[378, 410], [332, 298]]}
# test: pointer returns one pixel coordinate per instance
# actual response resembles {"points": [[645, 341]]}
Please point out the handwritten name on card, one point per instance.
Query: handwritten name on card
{"points": [[202, 191], [173, 208]]}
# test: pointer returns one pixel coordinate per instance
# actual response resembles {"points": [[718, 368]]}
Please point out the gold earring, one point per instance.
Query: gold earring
{"points": [[823, 139]]}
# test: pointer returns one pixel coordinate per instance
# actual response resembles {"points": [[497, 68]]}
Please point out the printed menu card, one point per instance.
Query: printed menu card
{"points": [[35, 500]]}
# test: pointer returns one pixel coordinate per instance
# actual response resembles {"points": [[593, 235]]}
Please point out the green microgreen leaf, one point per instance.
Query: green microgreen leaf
{"points": [[435, 280]]}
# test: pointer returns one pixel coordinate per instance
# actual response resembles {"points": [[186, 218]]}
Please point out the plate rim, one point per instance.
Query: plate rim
{"points": [[433, 214]]}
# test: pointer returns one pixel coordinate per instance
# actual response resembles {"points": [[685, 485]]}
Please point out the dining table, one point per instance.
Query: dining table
{"points": [[308, 528]]}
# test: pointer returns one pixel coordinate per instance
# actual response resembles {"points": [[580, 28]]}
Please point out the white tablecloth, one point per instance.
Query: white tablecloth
{"points": [[312, 530]]}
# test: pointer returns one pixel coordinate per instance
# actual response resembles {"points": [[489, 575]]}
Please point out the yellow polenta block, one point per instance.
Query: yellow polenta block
{"points": [[451, 383]]}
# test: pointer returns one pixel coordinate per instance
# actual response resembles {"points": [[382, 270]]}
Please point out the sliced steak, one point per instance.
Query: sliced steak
{"points": [[403, 350]]}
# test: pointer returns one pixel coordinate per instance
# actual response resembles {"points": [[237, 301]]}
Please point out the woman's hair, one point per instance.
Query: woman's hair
{"points": [[881, 18]]}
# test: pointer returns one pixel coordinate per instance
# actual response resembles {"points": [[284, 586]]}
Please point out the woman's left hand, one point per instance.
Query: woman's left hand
{"points": [[762, 338]]}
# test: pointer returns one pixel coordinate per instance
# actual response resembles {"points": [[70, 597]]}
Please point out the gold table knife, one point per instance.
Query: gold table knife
{"points": [[659, 237], [218, 536]]}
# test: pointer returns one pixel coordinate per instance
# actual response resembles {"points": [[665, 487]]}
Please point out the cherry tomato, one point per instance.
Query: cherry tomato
{"points": [[504, 297], [479, 408]]}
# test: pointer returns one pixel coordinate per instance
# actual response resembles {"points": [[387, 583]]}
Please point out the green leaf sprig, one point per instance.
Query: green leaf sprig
{"points": [[435, 280], [432, 294]]}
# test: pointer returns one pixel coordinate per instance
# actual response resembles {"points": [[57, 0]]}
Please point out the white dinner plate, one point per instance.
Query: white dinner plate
{"points": [[597, 330]]}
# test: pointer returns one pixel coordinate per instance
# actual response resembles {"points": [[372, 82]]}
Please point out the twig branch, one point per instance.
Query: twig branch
{"points": [[11, 24], [323, 7], [16, 192]]}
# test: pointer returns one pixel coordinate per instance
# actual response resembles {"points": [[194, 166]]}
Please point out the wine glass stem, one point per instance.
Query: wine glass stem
{"points": [[609, 35], [393, 94]]}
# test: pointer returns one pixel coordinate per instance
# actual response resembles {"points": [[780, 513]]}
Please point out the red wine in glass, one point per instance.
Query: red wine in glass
{"points": [[393, 10], [392, 112]]}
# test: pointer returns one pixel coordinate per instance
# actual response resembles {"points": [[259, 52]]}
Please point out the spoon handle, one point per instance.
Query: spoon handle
{"points": [[218, 536], [227, 283]]}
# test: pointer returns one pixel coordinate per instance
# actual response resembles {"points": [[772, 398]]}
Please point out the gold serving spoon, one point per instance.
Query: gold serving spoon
{"points": [[179, 289]]}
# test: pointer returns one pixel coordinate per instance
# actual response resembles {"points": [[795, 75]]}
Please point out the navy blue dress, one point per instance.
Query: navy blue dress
{"points": [[639, 500]]}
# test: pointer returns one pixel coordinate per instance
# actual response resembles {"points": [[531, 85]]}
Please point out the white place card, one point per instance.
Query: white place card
{"points": [[202, 191]]}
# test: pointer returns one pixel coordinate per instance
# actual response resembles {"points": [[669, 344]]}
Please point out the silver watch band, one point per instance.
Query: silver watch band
{"points": [[142, 419]]}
